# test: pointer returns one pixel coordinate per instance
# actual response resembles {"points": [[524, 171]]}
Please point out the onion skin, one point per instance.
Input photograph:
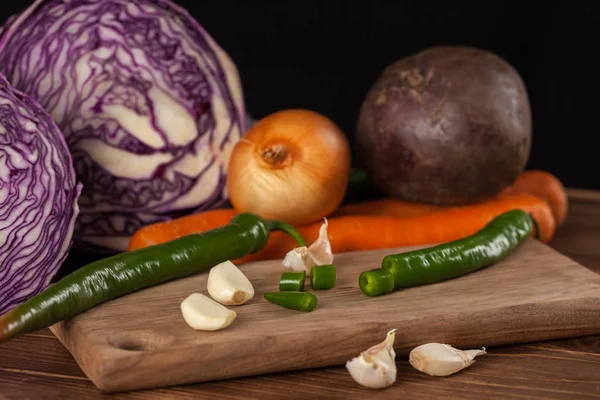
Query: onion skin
{"points": [[293, 165]]}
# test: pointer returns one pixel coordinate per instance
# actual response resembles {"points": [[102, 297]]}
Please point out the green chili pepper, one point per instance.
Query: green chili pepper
{"points": [[292, 281], [300, 301], [376, 281], [489, 245], [322, 277], [125, 273]]}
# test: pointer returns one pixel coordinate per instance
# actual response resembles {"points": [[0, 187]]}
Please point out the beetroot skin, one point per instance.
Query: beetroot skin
{"points": [[448, 125]]}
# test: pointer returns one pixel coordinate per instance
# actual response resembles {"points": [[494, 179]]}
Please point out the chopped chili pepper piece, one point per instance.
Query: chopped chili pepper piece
{"points": [[323, 277], [376, 282], [300, 301], [292, 281]]}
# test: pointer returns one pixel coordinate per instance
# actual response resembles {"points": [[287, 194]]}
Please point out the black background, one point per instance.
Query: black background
{"points": [[324, 55]]}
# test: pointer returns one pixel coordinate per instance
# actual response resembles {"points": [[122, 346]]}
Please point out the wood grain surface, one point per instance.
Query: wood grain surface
{"points": [[38, 366], [141, 340]]}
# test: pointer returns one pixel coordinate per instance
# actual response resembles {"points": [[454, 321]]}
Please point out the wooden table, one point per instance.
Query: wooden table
{"points": [[37, 366]]}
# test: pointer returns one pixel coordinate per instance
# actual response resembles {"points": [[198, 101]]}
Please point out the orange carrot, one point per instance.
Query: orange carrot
{"points": [[368, 232], [163, 232], [545, 185], [390, 207], [533, 182]]}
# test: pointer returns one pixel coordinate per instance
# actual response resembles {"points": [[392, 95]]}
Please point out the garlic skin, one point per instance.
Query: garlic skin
{"points": [[202, 313], [228, 285], [438, 359], [375, 368], [320, 250], [299, 260], [304, 258]]}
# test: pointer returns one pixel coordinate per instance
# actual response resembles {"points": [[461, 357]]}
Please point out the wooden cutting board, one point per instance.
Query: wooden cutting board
{"points": [[141, 340]]}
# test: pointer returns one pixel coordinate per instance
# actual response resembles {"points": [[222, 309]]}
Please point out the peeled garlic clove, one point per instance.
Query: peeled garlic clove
{"points": [[375, 368], [228, 285], [304, 258], [204, 314], [438, 359], [320, 250]]}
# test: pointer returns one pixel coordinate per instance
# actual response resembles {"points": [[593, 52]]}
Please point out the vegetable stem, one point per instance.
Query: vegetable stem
{"points": [[275, 155], [276, 225]]}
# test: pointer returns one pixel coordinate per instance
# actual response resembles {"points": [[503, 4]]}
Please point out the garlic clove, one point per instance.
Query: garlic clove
{"points": [[304, 258], [438, 359], [299, 260], [228, 285], [375, 367], [320, 250], [204, 314]]}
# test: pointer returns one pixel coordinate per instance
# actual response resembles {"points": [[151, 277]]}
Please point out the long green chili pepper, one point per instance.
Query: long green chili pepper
{"points": [[125, 273], [489, 245], [300, 301], [322, 277], [376, 282], [292, 281]]}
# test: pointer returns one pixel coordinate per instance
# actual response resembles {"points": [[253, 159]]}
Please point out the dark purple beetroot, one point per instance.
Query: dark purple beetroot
{"points": [[448, 125]]}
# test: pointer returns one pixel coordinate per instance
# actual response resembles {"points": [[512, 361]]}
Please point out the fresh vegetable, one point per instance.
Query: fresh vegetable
{"points": [[150, 105], [292, 281], [163, 232], [125, 273], [376, 282], [293, 166], [304, 258], [391, 207], [300, 301], [448, 125], [38, 197], [545, 185], [323, 277], [204, 314], [355, 233], [494, 242], [228, 285], [375, 367], [537, 183], [437, 359]]}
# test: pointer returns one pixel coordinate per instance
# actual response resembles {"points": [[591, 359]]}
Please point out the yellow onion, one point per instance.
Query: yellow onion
{"points": [[293, 165]]}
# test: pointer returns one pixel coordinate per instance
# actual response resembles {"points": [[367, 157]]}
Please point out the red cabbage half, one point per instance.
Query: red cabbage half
{"points": [[38, 197], [150, 106]]}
